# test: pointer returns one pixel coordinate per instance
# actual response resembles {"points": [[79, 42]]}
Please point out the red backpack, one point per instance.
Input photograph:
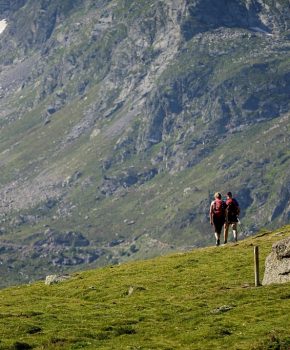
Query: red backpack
{"points": [[219, 207], [232, 207]]}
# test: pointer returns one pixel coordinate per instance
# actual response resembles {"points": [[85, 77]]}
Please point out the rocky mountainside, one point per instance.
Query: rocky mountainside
{"points": [[119, 119]]}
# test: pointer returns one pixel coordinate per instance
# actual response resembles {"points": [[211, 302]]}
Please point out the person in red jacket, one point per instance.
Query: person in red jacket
{"points": [[217, 215], [232, 213]]}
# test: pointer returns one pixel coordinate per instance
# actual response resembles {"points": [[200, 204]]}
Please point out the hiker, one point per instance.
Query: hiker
{"points": [[232, 213], [217, 216]]}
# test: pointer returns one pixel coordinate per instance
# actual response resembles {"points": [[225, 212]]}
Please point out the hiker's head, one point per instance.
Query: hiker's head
{"points": [[217, 195], [229, 194]]}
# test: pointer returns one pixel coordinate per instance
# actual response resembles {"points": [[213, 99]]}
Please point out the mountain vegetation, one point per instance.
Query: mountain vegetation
{"points": [[120, 119]]}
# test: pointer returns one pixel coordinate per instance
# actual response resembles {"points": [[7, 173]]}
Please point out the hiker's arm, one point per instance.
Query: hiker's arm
{"points": [[211, 214]]}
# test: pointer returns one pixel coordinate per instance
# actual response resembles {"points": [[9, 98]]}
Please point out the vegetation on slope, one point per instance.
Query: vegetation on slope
{"points": [[202, 299], [119, 119]]}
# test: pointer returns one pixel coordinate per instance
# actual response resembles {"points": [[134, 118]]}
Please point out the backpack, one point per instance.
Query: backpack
{"points": [[232, 208], [218, 207]]}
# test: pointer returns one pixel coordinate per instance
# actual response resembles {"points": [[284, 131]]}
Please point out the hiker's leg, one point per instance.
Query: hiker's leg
{"points": [[218, 241], [217, 230], [226, 232], [217, 237], [219, 226], [235, 231]]}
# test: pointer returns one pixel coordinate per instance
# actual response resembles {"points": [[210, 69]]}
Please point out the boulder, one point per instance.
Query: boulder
{"points": [[277, 267], [53, 279]]}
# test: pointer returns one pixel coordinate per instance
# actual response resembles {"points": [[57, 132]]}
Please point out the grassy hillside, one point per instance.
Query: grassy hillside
{"points": [[172, 209], [204, 299]]}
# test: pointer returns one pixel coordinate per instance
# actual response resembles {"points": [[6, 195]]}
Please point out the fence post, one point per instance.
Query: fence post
{"points": [[256, 266]]}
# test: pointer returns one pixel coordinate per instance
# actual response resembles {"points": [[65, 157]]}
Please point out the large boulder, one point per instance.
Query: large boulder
{"points": [[277, 269]]}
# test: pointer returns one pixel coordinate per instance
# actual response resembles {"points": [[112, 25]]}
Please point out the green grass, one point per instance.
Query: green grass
{"points": [[177, 302]]}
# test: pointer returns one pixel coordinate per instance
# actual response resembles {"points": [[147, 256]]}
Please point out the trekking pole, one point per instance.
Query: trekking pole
{"points": [[241, 226]]}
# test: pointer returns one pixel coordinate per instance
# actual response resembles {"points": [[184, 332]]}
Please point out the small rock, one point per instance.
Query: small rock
{"points": [[116, 242], [51, 110], [53, 279], [134, 289], [130, 291], [47, 121], [221, 309]]}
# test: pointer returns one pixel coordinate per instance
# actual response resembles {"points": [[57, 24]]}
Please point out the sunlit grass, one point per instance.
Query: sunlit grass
{"points": [[198, 300]]}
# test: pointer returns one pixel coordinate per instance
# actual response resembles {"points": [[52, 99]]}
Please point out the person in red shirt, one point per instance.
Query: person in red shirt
{"points": [[217, 215], [232, 214]]}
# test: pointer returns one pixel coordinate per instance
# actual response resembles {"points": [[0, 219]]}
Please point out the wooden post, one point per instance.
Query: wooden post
{"points": [[256, 265]]}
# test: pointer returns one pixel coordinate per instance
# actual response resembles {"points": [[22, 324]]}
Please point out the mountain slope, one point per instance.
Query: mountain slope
{"points": [[120, 119], [196, 300]]}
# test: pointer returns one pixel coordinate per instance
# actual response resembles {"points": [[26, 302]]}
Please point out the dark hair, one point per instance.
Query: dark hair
{"points": [[229, 194]]}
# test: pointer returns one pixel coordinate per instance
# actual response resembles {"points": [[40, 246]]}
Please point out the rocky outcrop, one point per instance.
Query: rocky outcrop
{"points": [[277, 268], [126, 179]]}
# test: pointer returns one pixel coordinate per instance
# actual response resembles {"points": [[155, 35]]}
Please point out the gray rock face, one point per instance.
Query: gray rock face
{"points": [[277, 268]]}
